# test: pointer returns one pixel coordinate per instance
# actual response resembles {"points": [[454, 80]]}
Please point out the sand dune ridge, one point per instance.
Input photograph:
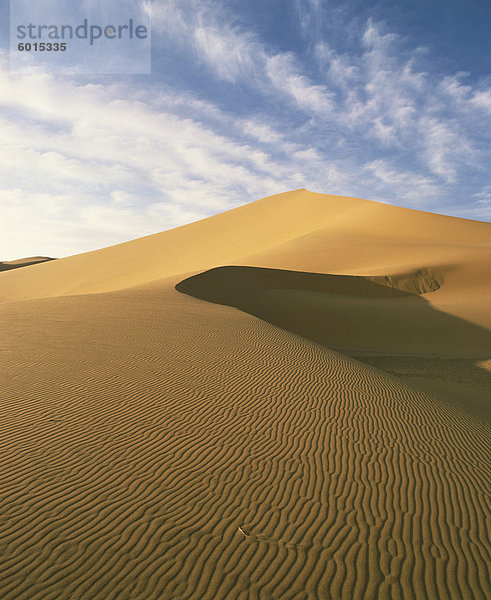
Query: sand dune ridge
{"points": [[216, 441]]}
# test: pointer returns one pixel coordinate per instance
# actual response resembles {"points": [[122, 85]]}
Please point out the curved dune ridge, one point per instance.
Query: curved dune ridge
{"points": [[298, 230], [157, 445], [7, 265], [350, 313]]}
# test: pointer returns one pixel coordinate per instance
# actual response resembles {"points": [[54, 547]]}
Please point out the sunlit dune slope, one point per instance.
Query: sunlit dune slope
{"points": [[298, 230], [159, 444]]}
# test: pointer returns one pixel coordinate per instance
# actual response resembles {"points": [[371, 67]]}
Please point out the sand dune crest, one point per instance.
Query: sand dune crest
{"points": [[7, 265], [155, 445], [351, 313]]}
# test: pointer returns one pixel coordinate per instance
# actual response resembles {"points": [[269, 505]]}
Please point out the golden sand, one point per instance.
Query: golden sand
{"points": [[224, 441], [7, 265]]}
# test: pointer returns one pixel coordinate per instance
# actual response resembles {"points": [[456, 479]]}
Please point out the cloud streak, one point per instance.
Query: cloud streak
{"points": [[91, 163]]}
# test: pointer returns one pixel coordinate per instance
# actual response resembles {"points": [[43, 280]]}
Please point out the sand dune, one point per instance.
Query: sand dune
{"points": [[160, 444], [7, 265], [298, 230], [349, 313]]}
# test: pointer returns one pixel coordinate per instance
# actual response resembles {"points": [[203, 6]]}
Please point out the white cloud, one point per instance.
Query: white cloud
{"points": [[99, 166], [479, 206], [225, 50], [286, 78], [411, 187], [235, 54], [482, 99], [445, 148], [89, 164], [310, 15]]}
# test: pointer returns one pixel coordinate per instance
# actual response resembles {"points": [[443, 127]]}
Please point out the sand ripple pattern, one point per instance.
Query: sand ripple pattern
{"points": [[154, 446]]}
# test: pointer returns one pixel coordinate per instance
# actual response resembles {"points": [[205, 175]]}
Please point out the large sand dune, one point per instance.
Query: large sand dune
{"points": [[212, 444]]}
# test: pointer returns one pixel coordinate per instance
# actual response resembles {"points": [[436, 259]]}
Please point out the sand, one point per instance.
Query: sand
{"points": [[6, 265], [231, 440]]}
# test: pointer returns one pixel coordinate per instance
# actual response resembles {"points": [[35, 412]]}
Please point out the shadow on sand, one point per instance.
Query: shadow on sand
{"points": [[360, 316], [17, 264]]}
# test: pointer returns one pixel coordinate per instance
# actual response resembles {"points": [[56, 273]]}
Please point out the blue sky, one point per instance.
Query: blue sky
{"points": [[387, 100]]}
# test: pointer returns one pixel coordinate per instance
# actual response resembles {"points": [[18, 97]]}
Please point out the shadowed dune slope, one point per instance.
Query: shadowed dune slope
{"points": [[350, 313], [157, 446], [7, 265], [297, 230]]}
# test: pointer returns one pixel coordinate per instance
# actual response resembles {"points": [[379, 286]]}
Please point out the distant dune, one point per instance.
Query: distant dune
{"points": [[6, 265], [288, 400]]}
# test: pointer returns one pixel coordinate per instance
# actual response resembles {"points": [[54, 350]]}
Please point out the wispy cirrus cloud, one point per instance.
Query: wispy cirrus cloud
{"points": [[102, 164], [90, 162], [286, 78], [379, 93]]}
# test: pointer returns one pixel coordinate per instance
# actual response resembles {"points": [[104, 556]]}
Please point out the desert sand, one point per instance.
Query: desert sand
{"points": [[6, 265], [288, 400]]}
